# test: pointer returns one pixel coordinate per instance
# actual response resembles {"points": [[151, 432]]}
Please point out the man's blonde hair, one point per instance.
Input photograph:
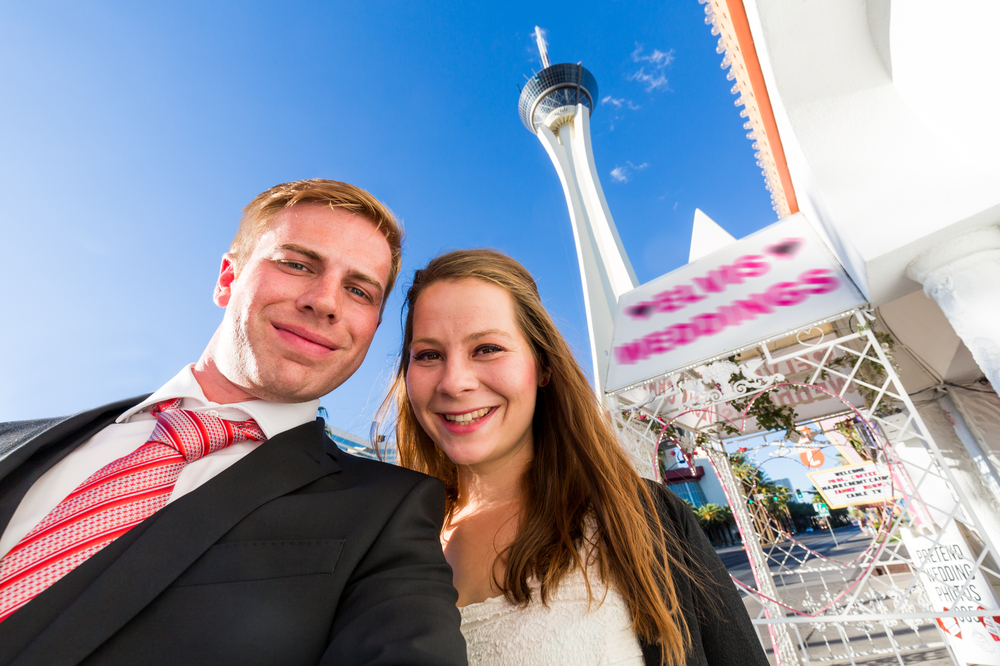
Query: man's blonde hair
{"points": [[259, 214]]}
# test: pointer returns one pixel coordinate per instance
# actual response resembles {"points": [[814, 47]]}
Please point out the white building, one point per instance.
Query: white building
{"points": [[874, 118]]}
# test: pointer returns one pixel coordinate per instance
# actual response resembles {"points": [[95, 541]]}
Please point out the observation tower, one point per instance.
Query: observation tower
{"points": [[556, 105]]}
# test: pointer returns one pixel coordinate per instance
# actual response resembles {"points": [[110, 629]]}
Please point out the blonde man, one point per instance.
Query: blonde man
{"points": [[213, 521]]}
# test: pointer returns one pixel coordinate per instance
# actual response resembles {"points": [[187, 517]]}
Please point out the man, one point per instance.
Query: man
{"points": [[213, 522]]}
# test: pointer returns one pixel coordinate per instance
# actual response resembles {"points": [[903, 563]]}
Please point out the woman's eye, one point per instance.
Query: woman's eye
{"points": [[426, 356], [488, 349]]}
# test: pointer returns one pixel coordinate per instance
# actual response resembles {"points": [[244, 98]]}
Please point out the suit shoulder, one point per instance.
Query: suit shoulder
{"points": [[14, 433], [673, 511], [383, 471]]}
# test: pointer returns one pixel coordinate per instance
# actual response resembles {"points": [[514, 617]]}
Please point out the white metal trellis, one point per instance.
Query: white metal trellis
{"points": [[870, 597]]}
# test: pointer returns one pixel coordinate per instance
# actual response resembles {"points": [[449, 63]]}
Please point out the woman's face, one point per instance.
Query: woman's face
{"points": [[472, 377]]}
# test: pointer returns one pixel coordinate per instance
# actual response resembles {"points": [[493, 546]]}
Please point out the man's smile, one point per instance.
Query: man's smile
{"points": [[303, 339]]}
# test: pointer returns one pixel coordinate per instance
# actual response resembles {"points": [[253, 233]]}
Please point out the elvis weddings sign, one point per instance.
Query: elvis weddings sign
{"points": [[778, 279]]}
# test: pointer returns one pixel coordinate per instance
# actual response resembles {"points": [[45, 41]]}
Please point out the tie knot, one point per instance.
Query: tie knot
{"points": [[194, 434]]}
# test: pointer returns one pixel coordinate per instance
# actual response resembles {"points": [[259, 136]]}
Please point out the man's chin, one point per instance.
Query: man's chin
{"points": [[288, 395], [291, 389]]}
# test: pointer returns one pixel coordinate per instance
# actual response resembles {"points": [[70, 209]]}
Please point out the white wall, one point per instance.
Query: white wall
{"points": [[884, 113]]}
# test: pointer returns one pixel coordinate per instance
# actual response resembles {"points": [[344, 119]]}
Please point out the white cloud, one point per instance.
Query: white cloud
{"points": [[657, 58], [620, 103], [656, 62], [622, 174], [652, 81]]}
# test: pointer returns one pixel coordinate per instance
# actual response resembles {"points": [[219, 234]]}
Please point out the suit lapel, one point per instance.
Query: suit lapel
{"points": [[177, 536], [49, 443]]}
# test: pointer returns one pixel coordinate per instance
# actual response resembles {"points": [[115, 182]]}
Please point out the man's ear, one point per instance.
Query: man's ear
{"points": [[223, 286]]}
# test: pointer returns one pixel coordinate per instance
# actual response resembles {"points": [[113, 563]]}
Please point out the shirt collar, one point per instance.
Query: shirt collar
{"points": [[272, 417]]}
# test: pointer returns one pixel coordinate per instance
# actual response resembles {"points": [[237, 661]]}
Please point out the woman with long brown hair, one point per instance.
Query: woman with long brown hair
{"points": [[561, 553]]}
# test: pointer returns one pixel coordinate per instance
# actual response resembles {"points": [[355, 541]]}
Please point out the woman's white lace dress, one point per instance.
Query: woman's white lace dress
{"points": [[565, 632]]}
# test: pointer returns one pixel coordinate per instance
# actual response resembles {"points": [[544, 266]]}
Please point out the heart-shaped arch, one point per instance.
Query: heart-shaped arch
{"points": [[879, 540]]}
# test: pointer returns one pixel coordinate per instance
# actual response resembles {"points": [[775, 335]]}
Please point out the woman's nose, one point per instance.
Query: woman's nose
{"points": [[459, 376]]}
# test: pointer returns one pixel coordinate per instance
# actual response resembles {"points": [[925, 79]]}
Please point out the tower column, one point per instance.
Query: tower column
{"points": [[604, 269], [556, 105]]}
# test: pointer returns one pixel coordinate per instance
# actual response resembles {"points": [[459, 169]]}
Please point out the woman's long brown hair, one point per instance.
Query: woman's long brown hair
{"points": [[578, 469]]}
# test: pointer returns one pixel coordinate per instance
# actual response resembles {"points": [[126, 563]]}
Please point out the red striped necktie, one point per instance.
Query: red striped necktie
{"points": [[114, 499]]}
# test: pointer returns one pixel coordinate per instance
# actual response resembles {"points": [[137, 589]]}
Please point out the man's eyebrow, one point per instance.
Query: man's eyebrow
{"points": [[298, 249], [363, 277], [317, 257]]}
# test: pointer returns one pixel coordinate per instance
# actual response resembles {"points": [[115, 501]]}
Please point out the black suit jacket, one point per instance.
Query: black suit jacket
{"points": [[296, 554], [721, 631]]}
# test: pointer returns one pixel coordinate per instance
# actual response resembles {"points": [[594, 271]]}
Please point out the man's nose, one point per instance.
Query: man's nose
{"points": [[459, 376], [322, 298]]}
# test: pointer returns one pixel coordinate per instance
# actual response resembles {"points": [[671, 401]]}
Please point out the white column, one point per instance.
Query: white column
{"points": [[974, 486], [963, 276]]}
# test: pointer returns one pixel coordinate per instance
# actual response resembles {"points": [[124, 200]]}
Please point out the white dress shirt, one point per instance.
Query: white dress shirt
{"points": [[131, 430]]}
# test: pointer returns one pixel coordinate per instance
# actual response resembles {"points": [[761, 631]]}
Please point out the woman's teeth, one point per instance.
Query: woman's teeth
{"points": [[468, 417]]}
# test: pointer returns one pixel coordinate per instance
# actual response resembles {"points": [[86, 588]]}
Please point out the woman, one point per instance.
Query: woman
{"points": [[560, 552]]}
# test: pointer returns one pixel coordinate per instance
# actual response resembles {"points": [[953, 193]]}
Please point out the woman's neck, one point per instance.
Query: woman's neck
{"points": [[482, 525], [485, 489], [477, 492]]}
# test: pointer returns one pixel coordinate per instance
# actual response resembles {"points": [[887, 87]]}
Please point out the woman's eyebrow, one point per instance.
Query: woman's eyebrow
{"points": [[483, 334], [472, 337]]}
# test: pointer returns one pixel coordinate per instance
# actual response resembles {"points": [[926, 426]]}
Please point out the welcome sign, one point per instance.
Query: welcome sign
{"points": [[850, 485], [775, 280]]}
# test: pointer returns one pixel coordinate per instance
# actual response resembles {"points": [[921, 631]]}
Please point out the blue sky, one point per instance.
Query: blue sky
{"points": [[133, 134]]}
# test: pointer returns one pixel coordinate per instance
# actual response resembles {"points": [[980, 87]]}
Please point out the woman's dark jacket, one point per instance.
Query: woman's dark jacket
{"points": [[721, 632]]}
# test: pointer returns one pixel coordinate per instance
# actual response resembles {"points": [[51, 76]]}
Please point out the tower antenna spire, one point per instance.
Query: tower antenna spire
{"points": [[542, 46], [556, 105]]}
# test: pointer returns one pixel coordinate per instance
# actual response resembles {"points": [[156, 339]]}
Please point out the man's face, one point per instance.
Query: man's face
{"points": [[302, 312]]}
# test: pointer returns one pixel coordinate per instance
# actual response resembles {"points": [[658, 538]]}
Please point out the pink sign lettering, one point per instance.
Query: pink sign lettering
{"points": [[778, 295]]}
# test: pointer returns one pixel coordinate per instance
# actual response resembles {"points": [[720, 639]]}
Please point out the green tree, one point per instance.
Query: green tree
{"points": [[715, 521], [761, 491]]}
